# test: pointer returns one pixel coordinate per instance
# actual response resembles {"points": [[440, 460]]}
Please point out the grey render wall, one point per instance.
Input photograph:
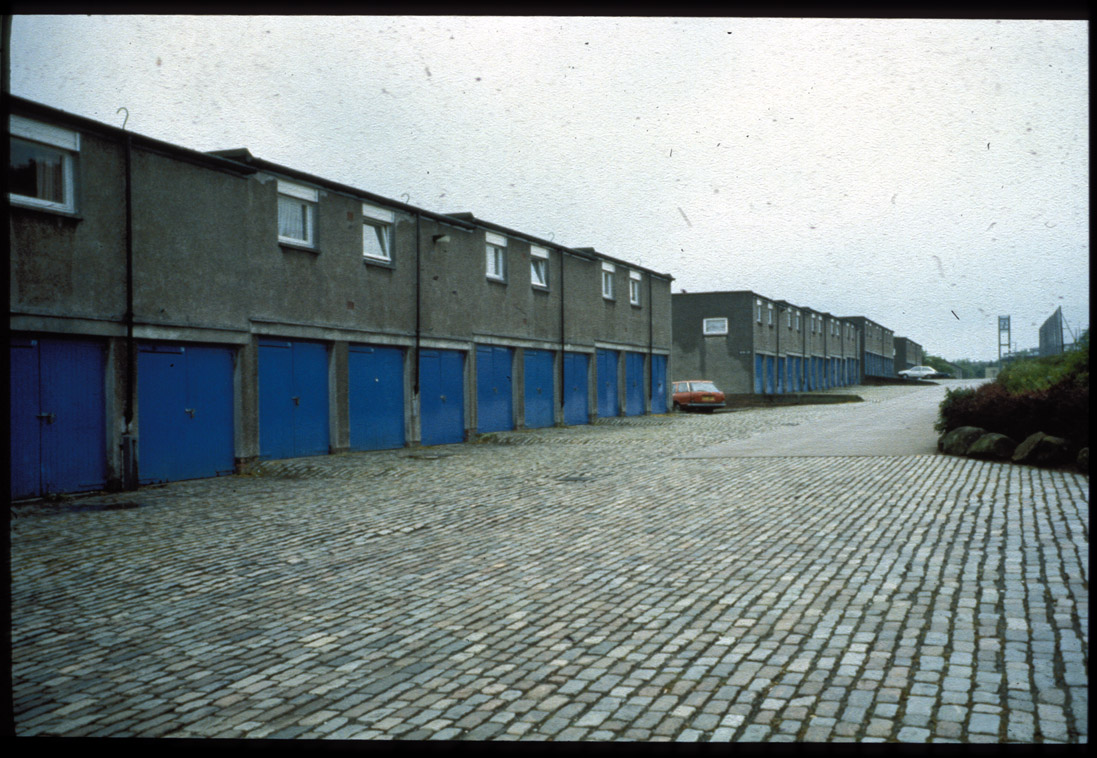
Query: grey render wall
{"points": [[790, 329], [791, 347], [68, 271], [727, 359], [816, 333], [759, 326], [877, 348], [208, 267], [908, 353], [73, 267], [849, 339]]}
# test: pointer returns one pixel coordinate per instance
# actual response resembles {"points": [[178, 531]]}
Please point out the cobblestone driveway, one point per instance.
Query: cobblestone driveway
{"points": [[565, 584]]}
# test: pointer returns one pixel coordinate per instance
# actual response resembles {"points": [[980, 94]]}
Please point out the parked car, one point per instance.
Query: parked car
{"points": [[697, 394], [920, 372]]}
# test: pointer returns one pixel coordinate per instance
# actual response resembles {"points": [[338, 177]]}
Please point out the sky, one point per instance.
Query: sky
{"points": [[930, 175]]}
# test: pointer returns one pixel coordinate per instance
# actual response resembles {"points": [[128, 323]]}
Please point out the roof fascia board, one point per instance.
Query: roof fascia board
{"points": [[344, 189], [31, 109]]}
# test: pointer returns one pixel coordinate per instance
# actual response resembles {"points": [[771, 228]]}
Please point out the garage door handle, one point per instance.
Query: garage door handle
{"points": [[189, 412], [297, 401], [47, 417]]}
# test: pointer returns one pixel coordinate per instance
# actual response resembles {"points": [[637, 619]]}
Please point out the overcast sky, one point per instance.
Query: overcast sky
{"points": [[930, 175]]}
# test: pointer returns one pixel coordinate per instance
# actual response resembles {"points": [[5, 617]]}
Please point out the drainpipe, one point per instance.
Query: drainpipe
{"points": [[129, 446], [418, 309], [651, 347], [777, 351], [563, 342]]}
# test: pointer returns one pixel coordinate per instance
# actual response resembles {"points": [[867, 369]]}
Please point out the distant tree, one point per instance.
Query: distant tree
{"points": [[973, 369], [940, 364]]}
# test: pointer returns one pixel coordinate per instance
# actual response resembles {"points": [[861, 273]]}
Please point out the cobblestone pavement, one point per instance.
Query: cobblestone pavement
{"points": [[565, 584]]}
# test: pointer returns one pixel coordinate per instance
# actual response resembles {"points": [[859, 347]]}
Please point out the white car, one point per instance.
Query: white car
{"points": [[918, 372]]}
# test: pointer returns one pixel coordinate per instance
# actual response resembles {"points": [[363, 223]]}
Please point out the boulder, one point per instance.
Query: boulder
{"points": [[1041, 449], [993, 446], [959, 440], [1083, 460]]}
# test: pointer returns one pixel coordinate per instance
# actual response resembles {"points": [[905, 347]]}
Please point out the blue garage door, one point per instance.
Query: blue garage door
{"points": [[184, 412], [769, 374], [441, 396], [634, 384], [759, 374], [658, 384], [494, 393], [375, 397], [539, 388], [576, 396], [797, 374], [293, 399], [607, 383], [58, 421]]}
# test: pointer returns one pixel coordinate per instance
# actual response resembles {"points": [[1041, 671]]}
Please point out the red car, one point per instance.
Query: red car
{"points": [[699, 394]]}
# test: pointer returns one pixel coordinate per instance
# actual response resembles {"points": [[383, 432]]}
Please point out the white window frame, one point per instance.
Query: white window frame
{"points": [[769, 311], [714, 327], [496, 262], [758, 304], [67, 142], [797, 320], [538, 267], [377, 225], [307, 198], [634, 279], [608, 271], [788, 319]]}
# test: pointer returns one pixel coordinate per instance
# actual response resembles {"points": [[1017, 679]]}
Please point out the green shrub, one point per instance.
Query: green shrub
{"points": [[952, 407], [1049, 395], [1033, 374]]}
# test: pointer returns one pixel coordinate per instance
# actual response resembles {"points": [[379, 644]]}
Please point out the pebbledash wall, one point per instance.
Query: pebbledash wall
{"points": [[177, 314], [751, 344]]}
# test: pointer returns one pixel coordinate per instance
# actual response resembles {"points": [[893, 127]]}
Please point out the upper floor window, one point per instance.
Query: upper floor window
{"points": [[769, 313], [42, 165], [538, 266], [496, 256], [297, 213], [758, 308], [788, 319], [377, 225], [797, 320], [712, 326], [634, 280], [608, 270]]}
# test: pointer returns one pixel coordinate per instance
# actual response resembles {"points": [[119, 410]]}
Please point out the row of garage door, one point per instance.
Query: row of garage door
{"points": [[798, 374], [186, 416]]}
